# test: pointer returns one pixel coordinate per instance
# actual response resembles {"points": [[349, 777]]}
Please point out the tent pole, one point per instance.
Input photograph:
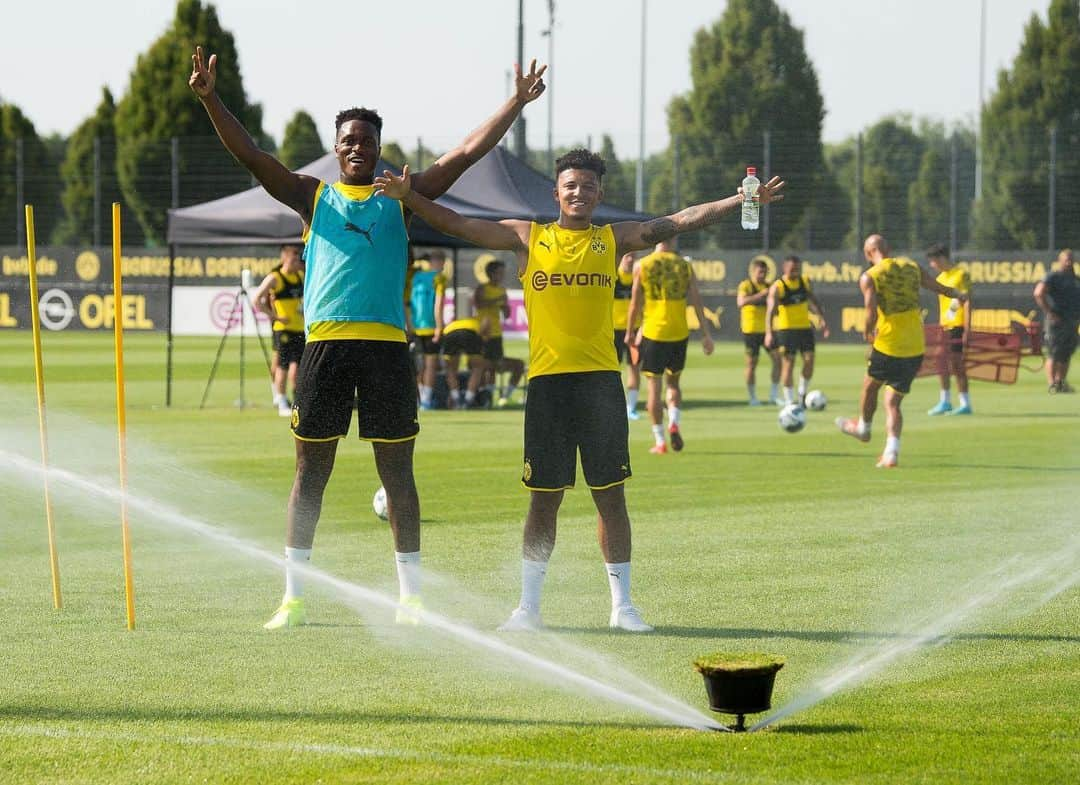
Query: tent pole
{"points": [[169, 325], [457, 287]]}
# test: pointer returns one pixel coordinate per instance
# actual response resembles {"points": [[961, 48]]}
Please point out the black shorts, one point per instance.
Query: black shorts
{"points": [[1061, 339], [462, 342], [289, 347], [753, 343], [375, 377], [493, 349], [954, 339], [896, 372], [427, 344], [797, 341], [568, 412], [660, 356]]}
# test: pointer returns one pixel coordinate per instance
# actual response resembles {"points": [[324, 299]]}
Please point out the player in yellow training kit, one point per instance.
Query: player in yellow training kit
{"points": [[955, 323], [489, 300], [894, 324], [791, 301], [575, 403], [665, 283], [281, 297], [624, 287], [463, 337], [750, 297]]}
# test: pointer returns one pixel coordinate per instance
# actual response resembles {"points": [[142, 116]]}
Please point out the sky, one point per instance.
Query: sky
{"points": [[436, 69]]}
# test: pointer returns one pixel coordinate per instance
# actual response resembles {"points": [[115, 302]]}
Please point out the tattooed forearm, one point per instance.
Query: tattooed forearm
{"points": [[697, 216]]}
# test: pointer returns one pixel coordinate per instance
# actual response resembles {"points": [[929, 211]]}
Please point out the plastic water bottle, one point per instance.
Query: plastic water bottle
{"points": [[750, 208], [954, 308]]}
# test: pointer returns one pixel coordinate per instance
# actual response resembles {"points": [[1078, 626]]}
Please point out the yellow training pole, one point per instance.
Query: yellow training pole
{"points": [[39, 372], [121, 415]]}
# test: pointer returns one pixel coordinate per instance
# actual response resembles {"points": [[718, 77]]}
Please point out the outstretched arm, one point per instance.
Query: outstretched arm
{"points": [[497, 235], [638, 235], [433, 181], [931, 283], [296, 191], [866, 283]]}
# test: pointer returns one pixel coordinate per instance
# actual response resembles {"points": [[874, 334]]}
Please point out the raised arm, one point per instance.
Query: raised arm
{"points": [[433, 181], [296, 191], [638, 235], [496, 235]]}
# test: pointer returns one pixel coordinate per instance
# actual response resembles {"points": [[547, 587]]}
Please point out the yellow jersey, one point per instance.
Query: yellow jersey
{"points": [[620, 310], [899, 323], [288, 293], [493, 313], [665, 280], [792, 304], [960, 281], [752, 317], [569, 284]]}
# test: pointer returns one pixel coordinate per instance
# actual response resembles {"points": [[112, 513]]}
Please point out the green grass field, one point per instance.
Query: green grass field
{"points": [[749, 540]]}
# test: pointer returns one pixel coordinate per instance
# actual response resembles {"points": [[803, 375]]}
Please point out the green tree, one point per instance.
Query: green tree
{"points": [[750, 74], [40, 179], [392, 153], [618, 182], [1040, 93], [930, 195], [892, 152], [77, 173], [301, 144], [159, 106]]}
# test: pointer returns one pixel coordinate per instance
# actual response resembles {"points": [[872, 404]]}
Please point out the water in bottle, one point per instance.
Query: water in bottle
{"points": [[750, 208]]}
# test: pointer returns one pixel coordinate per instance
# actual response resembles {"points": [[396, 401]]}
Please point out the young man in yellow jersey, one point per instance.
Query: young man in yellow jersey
{"points": [[624, 287], [356, 355], [955, 321], [894, 326], [665, 283], [492, 306], [750, 297], [575, 398], [791, 301], [281, 297]]}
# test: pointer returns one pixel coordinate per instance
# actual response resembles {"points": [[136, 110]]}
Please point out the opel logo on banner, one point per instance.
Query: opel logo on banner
{"points": [[56, 309]]}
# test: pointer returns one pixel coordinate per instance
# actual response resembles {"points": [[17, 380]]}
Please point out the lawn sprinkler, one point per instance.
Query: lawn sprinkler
{"points": [[739, 683]]}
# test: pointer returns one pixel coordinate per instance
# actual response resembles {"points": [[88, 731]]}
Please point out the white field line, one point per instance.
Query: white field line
{"points": [[350, 751]]}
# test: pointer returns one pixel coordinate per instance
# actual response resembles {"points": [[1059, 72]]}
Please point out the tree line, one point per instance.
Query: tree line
{"points": [[753, 87]]}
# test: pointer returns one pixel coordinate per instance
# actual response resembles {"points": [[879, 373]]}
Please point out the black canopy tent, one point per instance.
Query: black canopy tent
{"points": [[498, 186]]}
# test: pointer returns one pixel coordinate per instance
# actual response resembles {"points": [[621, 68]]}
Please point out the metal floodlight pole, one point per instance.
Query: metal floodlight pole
{"points": [[979, 125], [1052, 196], [639, 180], [954, 154], [519, 123], [766, 165], [858, 194], [550, 33], [97, 191]]}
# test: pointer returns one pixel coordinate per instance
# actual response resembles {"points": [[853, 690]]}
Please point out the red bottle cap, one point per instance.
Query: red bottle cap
{"points": [[751, 171]]}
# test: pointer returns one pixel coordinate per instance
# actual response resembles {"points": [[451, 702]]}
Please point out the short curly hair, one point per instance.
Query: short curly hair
{"points": [[358, 113], [580, 159]]}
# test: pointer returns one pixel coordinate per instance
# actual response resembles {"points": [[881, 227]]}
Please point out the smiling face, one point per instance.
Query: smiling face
{"points": [[577, 192], [357, 149]]}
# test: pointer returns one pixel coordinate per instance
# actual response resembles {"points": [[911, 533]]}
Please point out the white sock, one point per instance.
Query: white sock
{"points": [[751, 390], [774, 390], [294, 581], [426, 394], [892, 445], [658, 433], [863, 427], [789, 394], [274, 392], [945, 397], [631, 400], [618, 576], [470, 396], [965, 400], [408, 573], [532, 582], [673, 415], [803, 384]]}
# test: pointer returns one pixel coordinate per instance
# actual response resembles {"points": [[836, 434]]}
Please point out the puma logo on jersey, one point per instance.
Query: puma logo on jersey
{"points": [[351, 227], [541, 242]]}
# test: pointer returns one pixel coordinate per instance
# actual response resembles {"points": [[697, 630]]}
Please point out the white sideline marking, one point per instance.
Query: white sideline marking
{"points": [[348, 751]]}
